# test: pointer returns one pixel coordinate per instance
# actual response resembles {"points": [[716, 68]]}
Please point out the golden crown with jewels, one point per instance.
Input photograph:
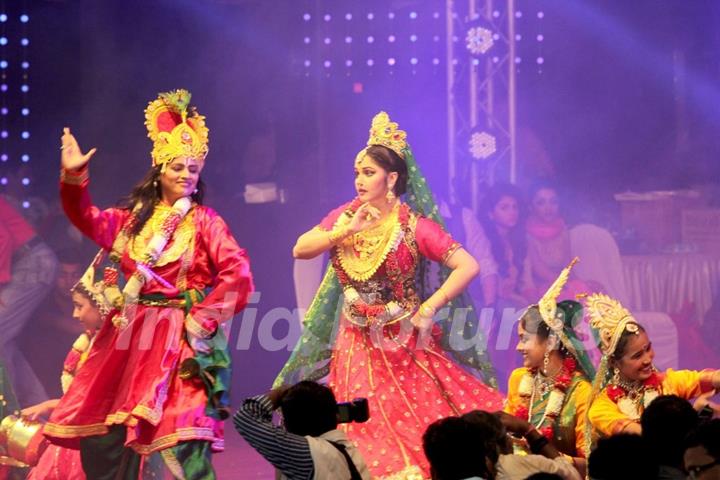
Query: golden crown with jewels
{"points": [[386, 133], [176, 129]]}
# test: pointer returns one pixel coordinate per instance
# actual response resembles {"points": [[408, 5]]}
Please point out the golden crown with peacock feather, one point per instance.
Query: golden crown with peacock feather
{"points": [[176, 129]]}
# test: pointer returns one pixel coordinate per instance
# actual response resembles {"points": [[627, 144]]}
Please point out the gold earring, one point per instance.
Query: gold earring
{"points": [[616, 376], [390, 196]]}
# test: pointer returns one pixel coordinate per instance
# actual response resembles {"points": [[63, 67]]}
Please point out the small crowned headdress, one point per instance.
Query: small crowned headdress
{"points": [[175, 128], [609, 319], [386, 133], [548, 307], [103, 293]]}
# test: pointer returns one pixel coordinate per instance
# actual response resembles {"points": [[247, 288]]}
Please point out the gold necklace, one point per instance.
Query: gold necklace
{"points": [[180, 241], [364, 252]]}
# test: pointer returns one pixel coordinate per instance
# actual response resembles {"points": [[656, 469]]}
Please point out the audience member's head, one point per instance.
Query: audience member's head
{"points": [[702, 454], [544, 202], [665, 424], [456, 450], [309, 408], [501, 205], [72, 265], [500, 215], [622, 457], [492, 431]]}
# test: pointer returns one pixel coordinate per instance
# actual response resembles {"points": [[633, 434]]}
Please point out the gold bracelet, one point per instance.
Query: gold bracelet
{"points": [[426, 311], [339, 234]]}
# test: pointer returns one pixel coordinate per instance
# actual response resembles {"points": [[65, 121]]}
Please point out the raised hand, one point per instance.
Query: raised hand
{"points": [[364, 218], [71, 157]]}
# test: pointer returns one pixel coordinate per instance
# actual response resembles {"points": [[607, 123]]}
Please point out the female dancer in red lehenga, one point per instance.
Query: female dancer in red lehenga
{"points": [[387, 348], [171, 249]]}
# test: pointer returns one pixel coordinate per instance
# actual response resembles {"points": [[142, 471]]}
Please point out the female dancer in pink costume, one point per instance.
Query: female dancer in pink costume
{"points": [[387, 347]]}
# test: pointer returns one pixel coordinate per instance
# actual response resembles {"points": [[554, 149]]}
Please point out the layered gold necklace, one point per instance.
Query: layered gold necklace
{"points": [[362, 254]]}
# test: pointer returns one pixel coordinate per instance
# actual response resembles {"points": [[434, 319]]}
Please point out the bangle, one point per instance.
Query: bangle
{"points": [[426, 311], [339, 234]]}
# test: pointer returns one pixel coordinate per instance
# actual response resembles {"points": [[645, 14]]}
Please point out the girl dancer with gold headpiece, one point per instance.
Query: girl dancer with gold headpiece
{"points": [[386, 347], [137, 388], [627, 381], [551, 391]]}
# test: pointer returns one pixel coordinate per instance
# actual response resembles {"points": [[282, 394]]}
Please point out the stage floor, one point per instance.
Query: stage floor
{"points": [[240, 460]]}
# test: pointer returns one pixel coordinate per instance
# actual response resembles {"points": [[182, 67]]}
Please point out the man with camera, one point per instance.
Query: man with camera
{"points": [[309, 446]]}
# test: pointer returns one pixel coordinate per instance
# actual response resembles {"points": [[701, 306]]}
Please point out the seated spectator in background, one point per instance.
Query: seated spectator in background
{"points": [[702, 454], [548, 244], [456, 450], [665, 424], [546, 458], [622, 457], [310, 445], [500, 213]]}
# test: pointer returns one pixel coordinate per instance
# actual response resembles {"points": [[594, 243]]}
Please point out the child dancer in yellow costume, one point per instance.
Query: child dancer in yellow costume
{"points": [[627, 380]]}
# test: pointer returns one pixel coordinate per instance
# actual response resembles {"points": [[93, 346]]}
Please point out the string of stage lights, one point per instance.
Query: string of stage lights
{"points": [[14, 96], [343, 41]]}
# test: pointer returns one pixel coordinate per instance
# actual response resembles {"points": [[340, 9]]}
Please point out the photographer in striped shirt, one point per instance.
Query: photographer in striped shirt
{"points": [[309, 446]]}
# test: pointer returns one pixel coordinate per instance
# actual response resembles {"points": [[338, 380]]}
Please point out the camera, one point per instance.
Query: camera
{"points": [[356, 411]]}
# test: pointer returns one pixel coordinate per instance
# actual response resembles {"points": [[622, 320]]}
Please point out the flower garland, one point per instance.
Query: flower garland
{"points": [[628, 397], [556, 400], [355, 305], [153, 250], [75, 358]]}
